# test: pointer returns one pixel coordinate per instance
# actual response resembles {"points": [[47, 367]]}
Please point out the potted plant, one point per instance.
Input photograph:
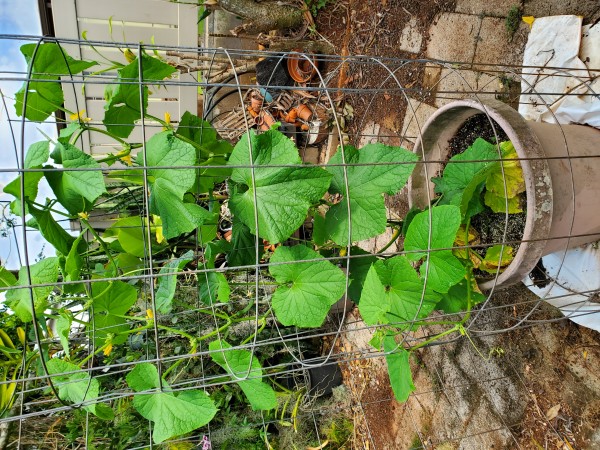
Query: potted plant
{"points": [[558, 167]]}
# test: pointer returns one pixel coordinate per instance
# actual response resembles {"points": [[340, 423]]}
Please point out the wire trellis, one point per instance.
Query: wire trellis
{"points": [[41, 411]]}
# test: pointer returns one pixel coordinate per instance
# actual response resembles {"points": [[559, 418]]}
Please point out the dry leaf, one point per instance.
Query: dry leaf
{"points": [[553, 412]]}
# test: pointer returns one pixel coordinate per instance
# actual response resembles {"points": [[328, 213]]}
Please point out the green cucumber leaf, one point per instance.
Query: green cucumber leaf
{"points": [[394, 293], [455, 300], [177, 217], [283, 194], [243, 364], [130, 233], [307, 290], [367, 182], [50, 229], [37, 155], [243, 246], [124, 104], [374, 304], [213, 249], [19, 300], [464, 175], [76, 190], [168, 283], [358, 269], [63, 329], [163, 152], [213, 288], [398, 369], [173, 414], [498, 203], [463, 168], [48, 62], [111, 300], [203, 133], [445, 270], [7, 279], [73, 265], [78, 387]]}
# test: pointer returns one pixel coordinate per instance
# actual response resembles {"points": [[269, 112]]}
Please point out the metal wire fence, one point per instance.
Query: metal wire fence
{"points": [[170, 288]]}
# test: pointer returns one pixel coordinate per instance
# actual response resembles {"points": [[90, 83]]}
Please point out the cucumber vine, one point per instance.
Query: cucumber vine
{"points": [[98, 279]]}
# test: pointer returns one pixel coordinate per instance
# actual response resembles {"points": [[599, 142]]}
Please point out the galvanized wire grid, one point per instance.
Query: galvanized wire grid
{"points": [[214, 71]]}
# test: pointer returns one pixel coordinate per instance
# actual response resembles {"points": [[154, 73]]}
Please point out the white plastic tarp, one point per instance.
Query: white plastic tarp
{"points": [[564, 62]]}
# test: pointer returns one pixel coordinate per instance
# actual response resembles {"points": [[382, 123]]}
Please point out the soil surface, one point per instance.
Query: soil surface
{"points": [[374, 28]]}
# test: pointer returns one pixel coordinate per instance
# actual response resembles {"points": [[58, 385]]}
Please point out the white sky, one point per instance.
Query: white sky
{"points": [[17, 17]]}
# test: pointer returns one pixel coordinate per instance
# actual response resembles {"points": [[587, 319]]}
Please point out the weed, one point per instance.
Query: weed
{"points": [[512, 21], [314, 6]]}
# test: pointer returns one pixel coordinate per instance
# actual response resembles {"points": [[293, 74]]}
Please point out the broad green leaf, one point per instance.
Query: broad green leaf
{"points": [[398, 369], [203, 133], [131, 233], [7, 279], [124, 104], [283, 194], [207, 177], [19, 300], [77, 387], [110, 300], [177, 217], [246, 370], [463, 176], [213, 249], [307, 290], [443, 269], [394, 293], [63, 329], [37, 155], [163, 152], [213, 288], [173, 414], [73, 266], [128, 264], [56, 235], [76, 190], [379, 169], [359, 265], [243, 246], [48, 62], [497, 257], [455, 300], [168, 283], [374, 304], [498, 203]]}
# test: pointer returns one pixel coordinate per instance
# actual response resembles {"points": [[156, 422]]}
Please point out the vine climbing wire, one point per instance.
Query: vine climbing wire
{"points": [[211, 277]]}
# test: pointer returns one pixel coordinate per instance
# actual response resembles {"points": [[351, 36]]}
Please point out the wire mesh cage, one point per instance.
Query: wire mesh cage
{"points": [[218, 272]]}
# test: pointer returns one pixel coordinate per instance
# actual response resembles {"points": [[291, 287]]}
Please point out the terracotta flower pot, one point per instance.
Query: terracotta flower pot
{"points": [[563, 194]]}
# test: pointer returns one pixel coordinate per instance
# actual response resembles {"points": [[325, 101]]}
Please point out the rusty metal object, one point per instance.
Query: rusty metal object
{"points": [[301, 69]]}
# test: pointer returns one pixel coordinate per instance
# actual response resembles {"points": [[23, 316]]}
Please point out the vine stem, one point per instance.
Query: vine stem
{"points": [[454, 329], [88, 227], [395, 236], [91, 355]]}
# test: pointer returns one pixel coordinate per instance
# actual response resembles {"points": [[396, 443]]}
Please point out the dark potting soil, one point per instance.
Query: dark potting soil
{"points": [[474, 127], [488, 224]]}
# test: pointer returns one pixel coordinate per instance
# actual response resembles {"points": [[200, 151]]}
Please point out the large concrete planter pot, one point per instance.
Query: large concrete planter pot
{"points": [[561, 177]]}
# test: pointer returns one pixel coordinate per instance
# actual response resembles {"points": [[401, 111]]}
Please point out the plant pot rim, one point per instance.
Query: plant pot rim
{"points": [[443, 125]]}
